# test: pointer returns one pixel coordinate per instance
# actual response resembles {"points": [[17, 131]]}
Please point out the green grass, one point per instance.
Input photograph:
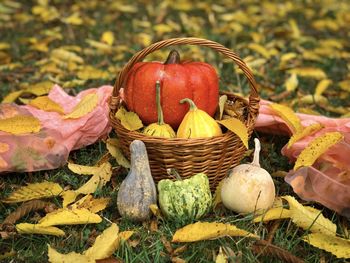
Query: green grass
{"points": [[101, 16]]}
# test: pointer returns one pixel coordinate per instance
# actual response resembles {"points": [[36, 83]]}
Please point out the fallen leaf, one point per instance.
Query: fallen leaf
{"points": [[89, 72], [69, 197], [288, 115], [260, 49], [84, 107], [309, 218], [46, 104], [65, 216], [94, 205], [108, 37], [222, 101], [130, 120], [217, 196], [292, 82], [114, 149], [72, 257], [20, 124], [11, 97], [310, 72], [311, 129], [208, 231], [221, 257], [312, 99], [273, 214], [83, 169], [34, 191], [67, 56], [316, 148], [322, 86], [105, 244], [339, 247], [238, 128], [125, 235], [344, 85], [26, 228]]}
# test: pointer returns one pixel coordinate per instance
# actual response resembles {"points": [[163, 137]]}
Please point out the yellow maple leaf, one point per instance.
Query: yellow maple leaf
{"points": [[316, 148], [84, 107], [34, 191], [303, 133], [130, 120], [309, 218], [20, 124], [26, 228], [108, 37], [339, 247], [322, 86], [310, 72], [114, 149], [207, 231], [288, 115], [72, 257], [292, 82], [46, 104], [105, 244], [238, 128], [274, 213], [65, 216]]}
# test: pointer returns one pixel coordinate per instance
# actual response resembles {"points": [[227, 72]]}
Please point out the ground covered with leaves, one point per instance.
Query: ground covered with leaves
{"points": [[299, 52]]}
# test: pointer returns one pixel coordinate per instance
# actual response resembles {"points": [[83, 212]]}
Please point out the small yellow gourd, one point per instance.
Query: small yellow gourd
{"points": [[160, 128], [197, 123]]}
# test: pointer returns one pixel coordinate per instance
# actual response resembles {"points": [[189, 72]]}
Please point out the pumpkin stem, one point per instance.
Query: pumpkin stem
{"points": [[255, 161], [173, 57], [189, 101], [159, 107]]}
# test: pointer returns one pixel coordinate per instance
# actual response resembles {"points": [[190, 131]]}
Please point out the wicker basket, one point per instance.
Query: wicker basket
{"points": [[213, 156]]}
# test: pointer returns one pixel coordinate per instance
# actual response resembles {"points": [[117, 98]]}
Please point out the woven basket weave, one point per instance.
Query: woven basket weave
{"points": [[213, 156]]}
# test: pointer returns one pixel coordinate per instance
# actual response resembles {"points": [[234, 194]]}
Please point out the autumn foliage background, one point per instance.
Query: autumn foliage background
{"points": [[291, 47]]}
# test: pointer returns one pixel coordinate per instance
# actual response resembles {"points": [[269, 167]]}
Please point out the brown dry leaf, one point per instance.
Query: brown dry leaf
{"points": [[34, 191], [309, 218], [72, 257], [26, 228], [130, 120], [273, 214], [292, 82], [238, 128], [311, 129], [310, 72], [322, 86], [114, 149], [339, 247], [288, 115], [46, 104], [20, 124], [85, 106], [316, 148], [105, 244], [65, 216], [208, 231]]}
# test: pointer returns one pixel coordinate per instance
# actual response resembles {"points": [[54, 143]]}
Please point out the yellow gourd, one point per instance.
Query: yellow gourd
{"points": [[197, 123], [159, 129]]}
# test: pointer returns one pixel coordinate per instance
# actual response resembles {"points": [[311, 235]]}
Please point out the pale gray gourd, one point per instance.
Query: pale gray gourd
{"points": [[138, 191]]}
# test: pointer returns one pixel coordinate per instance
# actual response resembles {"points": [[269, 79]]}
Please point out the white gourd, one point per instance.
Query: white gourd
{"points": [[248, 187]]}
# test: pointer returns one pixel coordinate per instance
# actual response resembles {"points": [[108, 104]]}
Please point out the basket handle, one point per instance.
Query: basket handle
{"points": [[139, 56]]}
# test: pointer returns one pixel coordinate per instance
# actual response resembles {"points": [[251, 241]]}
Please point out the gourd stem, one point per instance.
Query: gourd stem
{"points": [[189, 101], [174, 172], [173, 57], [159, 106], [255, 161]]}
